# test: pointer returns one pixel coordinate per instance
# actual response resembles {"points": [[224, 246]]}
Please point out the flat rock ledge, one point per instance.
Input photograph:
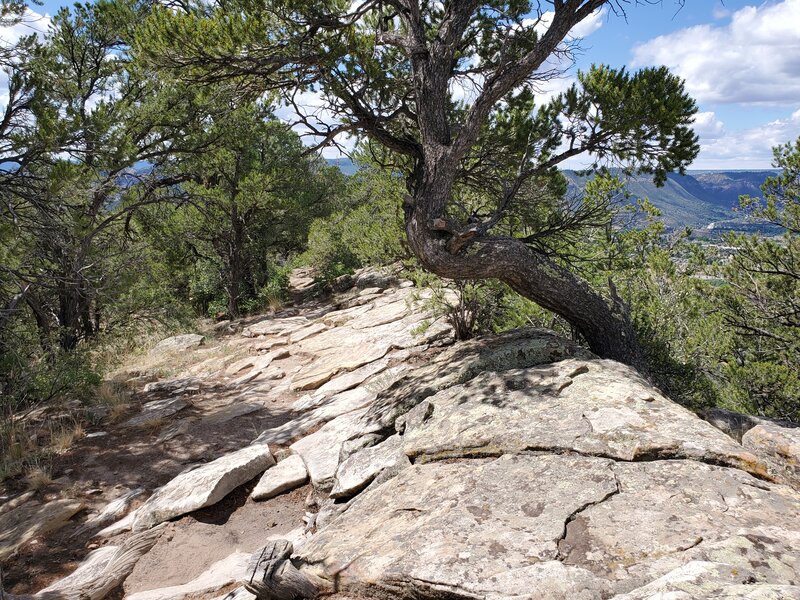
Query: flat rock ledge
{"points": [[203, 486], [287, 475], [568, 526]]}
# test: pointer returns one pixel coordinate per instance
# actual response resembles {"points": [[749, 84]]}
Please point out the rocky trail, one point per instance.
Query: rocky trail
{"points": [[346, 447]]}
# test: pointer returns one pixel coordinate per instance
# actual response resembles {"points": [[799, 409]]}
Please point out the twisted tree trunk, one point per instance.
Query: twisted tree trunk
{"points": [[605, 326]]}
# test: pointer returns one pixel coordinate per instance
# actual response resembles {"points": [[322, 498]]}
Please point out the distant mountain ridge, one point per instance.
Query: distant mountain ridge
{"points": [[695, 200]]}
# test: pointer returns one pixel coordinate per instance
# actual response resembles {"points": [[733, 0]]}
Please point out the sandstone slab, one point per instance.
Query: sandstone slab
{"points": [[596, 407], [324, 411], [351, 379], [668, 513], [358, 470], [178, 343], [121, 526], [113, 510], [334, 361], [283, 326], [203, 486], [518, 349], [283, 477], [563, 525], [222, 573], [703, 579], [477, 528], [230, 412], [780, 446], [382, 315], [174, 430], [302, 334], [155, 411], [32, 519], [320, 450], [174, 386]]}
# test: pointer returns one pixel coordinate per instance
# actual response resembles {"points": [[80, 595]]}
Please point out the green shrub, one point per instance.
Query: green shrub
{"points": [[368, 231]]}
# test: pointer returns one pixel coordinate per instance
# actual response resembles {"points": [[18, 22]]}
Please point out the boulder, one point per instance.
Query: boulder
{"points": [[287, 475], [737, 424], [31, 519], [372, 277], [203, 486], [178, 343], [780, 447]]}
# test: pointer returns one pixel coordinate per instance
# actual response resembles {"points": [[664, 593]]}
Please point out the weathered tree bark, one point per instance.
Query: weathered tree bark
{"points": [[272, 576], [100, 580], [605, 327]]}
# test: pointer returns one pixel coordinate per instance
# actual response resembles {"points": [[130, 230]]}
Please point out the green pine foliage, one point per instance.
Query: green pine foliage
{"points": [[367, 230]]}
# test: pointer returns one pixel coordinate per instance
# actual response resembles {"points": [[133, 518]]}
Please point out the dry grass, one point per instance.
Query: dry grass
{"points": [[17, 447], [38, 476], [115, 397], [64, 435], [154, 425], [275, 304]]}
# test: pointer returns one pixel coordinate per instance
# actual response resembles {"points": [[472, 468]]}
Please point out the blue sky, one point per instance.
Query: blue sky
{"points": [[740, 60]]}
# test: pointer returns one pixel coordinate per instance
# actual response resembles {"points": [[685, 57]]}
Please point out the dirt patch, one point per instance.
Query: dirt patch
{"points": [[192, 544], [98, 470]]}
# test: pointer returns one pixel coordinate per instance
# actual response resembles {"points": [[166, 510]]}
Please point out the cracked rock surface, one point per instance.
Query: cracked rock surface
{"points": [[574, 479], [597, 408]]}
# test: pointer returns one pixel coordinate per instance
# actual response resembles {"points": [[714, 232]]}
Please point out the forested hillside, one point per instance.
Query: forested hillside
{"points": [[695, 199]]}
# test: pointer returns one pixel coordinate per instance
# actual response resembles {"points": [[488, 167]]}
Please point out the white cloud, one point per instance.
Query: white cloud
{"points": [[589, 25], [755, 58], [721, 11], [30, 23], [707, 126], [748, 148], [583, 29], [313, 107]]}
